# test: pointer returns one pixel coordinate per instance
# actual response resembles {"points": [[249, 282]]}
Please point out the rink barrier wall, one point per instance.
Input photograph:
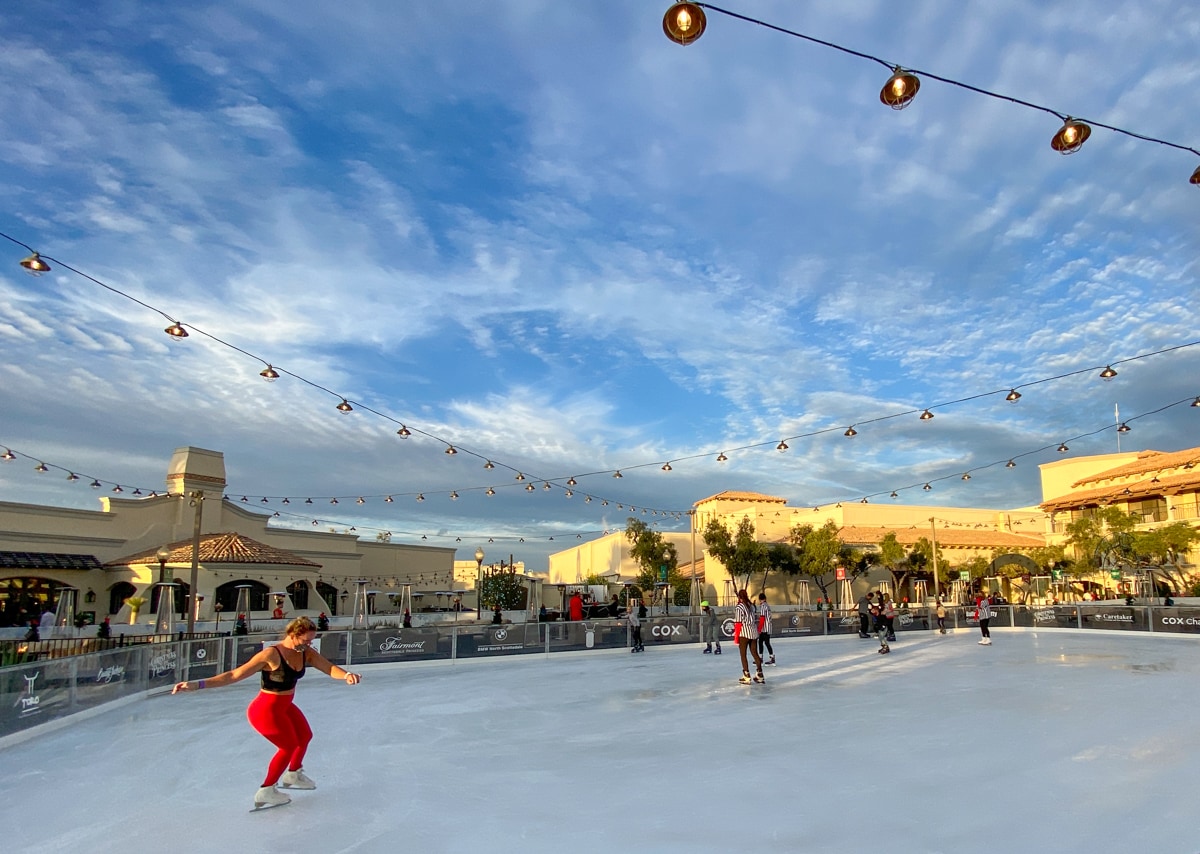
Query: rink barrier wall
{"points": [[44, 694]]}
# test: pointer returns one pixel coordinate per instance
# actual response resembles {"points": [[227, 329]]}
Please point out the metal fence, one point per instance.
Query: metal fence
{"points": [[54, 687]]}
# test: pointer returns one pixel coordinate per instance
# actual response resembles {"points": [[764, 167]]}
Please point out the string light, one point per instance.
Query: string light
{"points": [[1108, 373], [1013, 396], [35, 265], [345, 406], [683, 23], [269, 374], [175, 330], [850, 431]]}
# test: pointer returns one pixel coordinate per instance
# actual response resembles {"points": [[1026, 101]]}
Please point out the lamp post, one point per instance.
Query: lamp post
{"points": [[479, 583], [193, 576], [163, 554]]}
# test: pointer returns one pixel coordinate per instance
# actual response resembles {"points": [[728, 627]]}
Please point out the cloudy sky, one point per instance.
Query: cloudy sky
{"points": [[544, 234]]}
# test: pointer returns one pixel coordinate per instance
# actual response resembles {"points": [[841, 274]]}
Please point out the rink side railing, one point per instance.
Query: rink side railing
{"points": [[51, 688]]}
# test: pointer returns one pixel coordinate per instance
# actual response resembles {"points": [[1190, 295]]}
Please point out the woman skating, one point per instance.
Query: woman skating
{"points": [[272, 712], [747, 620]]}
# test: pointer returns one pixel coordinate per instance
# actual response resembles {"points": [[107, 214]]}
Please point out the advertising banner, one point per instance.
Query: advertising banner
{"points": [[1115, 618], [1181, 620], [34, 694], [795, 624], [668, 630], [162, 667], [380, 645], [504, 639], [107, 676]]}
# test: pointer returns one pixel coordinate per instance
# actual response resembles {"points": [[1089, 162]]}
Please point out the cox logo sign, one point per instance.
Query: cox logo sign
{"points": [[1181, 621], [666, 631], [727, 627]]}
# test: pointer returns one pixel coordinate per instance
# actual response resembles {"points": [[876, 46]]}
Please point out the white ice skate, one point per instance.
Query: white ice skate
{"points": [[985, 641], [296, 780], [269, 796]]}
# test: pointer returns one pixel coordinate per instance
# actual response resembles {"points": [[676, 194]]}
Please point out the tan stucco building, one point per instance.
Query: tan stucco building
{"points": [[112, 554]]}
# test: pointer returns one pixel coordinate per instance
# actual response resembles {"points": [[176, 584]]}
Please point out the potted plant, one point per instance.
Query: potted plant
{"points": [[135, 604]]}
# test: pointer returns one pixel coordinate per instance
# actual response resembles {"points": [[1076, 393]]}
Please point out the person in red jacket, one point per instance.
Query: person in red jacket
{"points": [[575, 606]]}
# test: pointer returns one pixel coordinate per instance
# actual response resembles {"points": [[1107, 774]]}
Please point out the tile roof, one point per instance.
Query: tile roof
{"points": [[1146, 463], [1128, 491], [732, 495], [979, 538], [46, 560], [219, 548]]}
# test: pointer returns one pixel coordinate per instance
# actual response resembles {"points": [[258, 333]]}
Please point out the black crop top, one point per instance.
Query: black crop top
{"points": [[284, 679]]}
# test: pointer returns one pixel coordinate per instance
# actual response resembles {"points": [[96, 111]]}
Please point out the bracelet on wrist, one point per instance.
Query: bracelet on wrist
{"points": [[200, 683]]}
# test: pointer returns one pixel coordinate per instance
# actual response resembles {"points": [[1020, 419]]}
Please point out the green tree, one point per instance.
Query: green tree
{"points": [[1101, 538], [502, 587], [977, 566], [741, 553], [893, 558], [818, 550], [651, 551], [1165, 548]]}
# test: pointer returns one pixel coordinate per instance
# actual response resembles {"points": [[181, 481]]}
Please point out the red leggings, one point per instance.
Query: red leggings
{"points": [[277, 719]]}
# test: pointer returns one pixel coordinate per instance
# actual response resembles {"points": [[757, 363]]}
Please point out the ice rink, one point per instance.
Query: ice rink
{"points": [[1047, 741]]}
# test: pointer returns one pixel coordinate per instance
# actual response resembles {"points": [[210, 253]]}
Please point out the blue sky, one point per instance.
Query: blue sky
{"points": [[547, 235]]}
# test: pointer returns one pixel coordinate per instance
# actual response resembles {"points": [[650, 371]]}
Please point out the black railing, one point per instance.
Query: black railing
{"points": [[20, 651]]}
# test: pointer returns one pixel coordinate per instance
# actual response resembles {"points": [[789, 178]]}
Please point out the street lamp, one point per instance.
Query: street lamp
{"points": [[479, 583], [163, 554]]}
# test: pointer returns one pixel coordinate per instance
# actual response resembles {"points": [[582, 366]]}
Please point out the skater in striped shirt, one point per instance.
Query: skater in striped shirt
{"points": [[747, 621], [983, 611], [764, 629]]}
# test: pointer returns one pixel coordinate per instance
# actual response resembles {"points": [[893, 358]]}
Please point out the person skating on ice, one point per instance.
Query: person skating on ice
{"points": [[635, 629], [273, 713], [941, 615], [710, 628], [983, 611], [764, 629], [747, 620], [887, 612], [864, 614]]}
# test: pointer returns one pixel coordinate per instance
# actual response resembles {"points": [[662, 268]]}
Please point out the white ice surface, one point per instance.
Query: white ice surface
{"points": [[1047, 741]]}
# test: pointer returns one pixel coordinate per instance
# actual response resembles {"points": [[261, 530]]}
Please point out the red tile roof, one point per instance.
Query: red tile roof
{"points": [[219, 548], [731, 495], [1147, 462], [952, 537]]}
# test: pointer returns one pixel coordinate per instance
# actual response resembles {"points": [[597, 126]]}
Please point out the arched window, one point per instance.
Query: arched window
{"points": [[329, 593], [227, 595], [117, 594], [298, 590]]}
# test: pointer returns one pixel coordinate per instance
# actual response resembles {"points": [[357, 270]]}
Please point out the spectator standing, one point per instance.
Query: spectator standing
{"points": [[764, 629], [46, 623], [744, 616], [983, 611], [33, 634], [575, 606], [710, 628]]}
